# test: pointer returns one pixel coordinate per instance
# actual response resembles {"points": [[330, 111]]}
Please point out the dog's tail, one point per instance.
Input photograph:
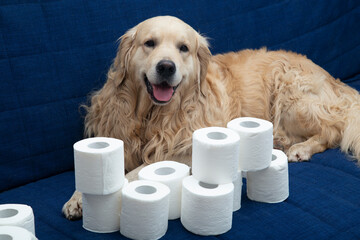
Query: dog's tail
{"points": [[350, 142]]}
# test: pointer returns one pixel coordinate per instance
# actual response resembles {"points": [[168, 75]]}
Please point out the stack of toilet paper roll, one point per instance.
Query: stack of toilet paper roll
{"points": [[100, 177], [208, 195], [204, 201], [17, 222], [266, 168]]}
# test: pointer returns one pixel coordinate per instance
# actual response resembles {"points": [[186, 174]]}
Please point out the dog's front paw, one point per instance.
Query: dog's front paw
{"points": [[72, 209], [298, 153]]}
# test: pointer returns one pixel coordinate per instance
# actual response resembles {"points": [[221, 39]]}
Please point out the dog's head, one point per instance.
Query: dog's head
{"points": [[164, 56]]}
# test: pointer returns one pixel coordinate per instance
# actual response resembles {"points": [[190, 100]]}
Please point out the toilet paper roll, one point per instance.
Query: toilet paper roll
{"points": [[256, 142], [20, 215], [215, 155], [171, 174], [15, 233], [206, 209], [101, 213], [99, 165], [145, 210], [237, 192], [270, 185]]}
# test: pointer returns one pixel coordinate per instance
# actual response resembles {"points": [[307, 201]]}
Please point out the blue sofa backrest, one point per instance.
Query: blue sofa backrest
{"points": [[53, 53]]}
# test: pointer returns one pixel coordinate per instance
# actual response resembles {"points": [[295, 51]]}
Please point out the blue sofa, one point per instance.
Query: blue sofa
{"points": [[53, 53]]}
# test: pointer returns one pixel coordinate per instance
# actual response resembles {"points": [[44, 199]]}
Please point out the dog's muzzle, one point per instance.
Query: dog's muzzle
{"points": [[162, 91]]}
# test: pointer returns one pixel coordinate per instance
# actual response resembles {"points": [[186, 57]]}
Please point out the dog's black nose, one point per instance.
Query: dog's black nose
{"points": [[166, 68]]}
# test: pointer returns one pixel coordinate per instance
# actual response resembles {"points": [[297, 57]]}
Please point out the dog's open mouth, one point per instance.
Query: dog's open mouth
{"points": [[160, 93]]}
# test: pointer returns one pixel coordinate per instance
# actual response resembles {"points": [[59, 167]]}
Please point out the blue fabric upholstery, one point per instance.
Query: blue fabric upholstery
{"points": [[53, 53]]}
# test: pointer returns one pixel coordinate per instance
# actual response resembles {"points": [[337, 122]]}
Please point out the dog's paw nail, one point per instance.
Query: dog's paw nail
{"points": [[293, 159], [296, 154]]}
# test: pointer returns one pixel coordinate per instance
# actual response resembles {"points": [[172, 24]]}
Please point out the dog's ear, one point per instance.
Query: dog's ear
{"points": [[120, 66], [204, 56]]}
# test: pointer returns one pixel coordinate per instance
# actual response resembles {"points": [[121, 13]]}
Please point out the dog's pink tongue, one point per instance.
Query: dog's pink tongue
{"points": [[162, 93]]}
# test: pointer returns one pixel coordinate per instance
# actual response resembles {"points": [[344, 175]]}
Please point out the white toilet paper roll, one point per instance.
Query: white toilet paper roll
{"points": [[99, 165], [256, 142], [101, 213], [145, 210], [171, 174], [206, 209], [20, 215], [270, 185], [215, 155], [15, 233], [237, 192]]}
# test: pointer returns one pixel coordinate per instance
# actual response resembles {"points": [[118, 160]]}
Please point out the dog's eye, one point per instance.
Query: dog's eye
{"points": [[184, 48], [150, 43]]}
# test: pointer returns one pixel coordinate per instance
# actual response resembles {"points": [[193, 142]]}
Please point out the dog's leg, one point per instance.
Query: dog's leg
{"points": [[72, 209], [304, 150], [281, 140]]}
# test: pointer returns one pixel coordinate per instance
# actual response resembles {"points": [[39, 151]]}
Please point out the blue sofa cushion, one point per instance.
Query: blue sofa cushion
{"points": [[53, 53]]}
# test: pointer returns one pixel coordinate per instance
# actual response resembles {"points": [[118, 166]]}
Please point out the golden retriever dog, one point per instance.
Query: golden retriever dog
{"points": [[164, 84]]}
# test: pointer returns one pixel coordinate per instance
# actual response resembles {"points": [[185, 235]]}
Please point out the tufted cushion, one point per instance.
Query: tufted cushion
{"points": [[53, 53]]}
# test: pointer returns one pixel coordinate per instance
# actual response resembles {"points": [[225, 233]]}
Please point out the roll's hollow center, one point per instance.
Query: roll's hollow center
{"points": [[249, 124], [98, 145], [208, 185], [274, 157], [6, 213], [145, 189], [164, 171], [216, 135], [5, 237]]}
